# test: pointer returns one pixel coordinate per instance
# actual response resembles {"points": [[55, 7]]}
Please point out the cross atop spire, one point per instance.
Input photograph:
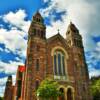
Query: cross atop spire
{"points": [[71, 22], [58, 31]]}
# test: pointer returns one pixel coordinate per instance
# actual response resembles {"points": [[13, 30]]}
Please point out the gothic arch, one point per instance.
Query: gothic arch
{"points": [[37, 83], [62, 89], [59, 64], [59, 48], [70, 93]]}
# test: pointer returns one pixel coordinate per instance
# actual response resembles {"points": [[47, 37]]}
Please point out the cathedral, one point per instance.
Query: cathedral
{"points": [[58, 58]]}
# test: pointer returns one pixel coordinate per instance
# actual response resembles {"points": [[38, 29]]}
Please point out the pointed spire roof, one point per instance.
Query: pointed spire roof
{"points": [[38, 18], [73, 27], [37, 14]]}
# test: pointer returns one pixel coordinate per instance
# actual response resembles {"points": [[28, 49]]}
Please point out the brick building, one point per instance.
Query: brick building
{"points": [[58, 58], [9, 90]]}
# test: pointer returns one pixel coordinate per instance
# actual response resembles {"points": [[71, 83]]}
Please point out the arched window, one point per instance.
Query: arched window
{"points": [[69, 94], [61, 97], [39, 20], [59, 63], [36, 84]]}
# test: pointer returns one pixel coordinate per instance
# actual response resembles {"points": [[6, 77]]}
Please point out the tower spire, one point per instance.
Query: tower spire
{"points": [[37, 27], [73, 37]]}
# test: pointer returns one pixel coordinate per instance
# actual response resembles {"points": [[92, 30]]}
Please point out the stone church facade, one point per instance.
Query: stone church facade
{"points": [[58, 58]]}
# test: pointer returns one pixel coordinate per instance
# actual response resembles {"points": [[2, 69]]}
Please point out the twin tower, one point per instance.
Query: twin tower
{"points": [[60, 59]]}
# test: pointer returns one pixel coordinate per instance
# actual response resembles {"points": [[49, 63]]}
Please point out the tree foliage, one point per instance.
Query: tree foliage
{"points": [[95, 87], [1, 98], [48, 89]]}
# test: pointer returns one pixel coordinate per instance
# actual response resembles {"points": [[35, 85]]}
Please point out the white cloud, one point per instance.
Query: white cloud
{"points": [[96, 53], [14, 38], [8, 68], [3, 81], [2, 89], [6, 50], [93, 61], [11, 67], [45, 1], [2, 85], [14, 79], [81, 12], [17, 19], [93, 71], [98, 47], [1, 49], [17, 58]]}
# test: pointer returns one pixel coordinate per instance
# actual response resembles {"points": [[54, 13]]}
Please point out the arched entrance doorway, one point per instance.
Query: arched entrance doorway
{"points": [[61, 97], [69, 94]]}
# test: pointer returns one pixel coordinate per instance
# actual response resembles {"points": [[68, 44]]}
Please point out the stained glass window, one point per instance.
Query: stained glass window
{"points": [[63, 65], [59, 63], [36, 84], [55, 65]]}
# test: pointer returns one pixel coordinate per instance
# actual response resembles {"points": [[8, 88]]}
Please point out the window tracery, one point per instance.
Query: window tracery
{"points": [[59, 63]]}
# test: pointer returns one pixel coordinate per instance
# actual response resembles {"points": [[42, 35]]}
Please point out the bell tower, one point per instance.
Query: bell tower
{"points": [[74, 40], [73, 37], [36, 56], [37, 27]]}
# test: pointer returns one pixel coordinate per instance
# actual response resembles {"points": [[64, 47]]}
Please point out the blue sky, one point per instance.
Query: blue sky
{"points": [[15, 18]]}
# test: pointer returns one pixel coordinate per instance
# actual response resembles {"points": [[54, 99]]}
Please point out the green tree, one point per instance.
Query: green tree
{"points": [[95, 88], [1, 98], [48, 89]]}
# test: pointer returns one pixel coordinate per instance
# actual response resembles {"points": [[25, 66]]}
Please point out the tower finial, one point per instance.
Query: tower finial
{"points": [[71, 22], [58, 31]]}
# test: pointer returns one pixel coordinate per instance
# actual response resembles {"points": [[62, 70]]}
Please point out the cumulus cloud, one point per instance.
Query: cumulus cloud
{"points": [[93, 71], [9, 68], [17, 19], [14, 37], [98, 46], [45, 1], [2, 85], [11, 39], [93, 61], [1, 49], [84, 13]]}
